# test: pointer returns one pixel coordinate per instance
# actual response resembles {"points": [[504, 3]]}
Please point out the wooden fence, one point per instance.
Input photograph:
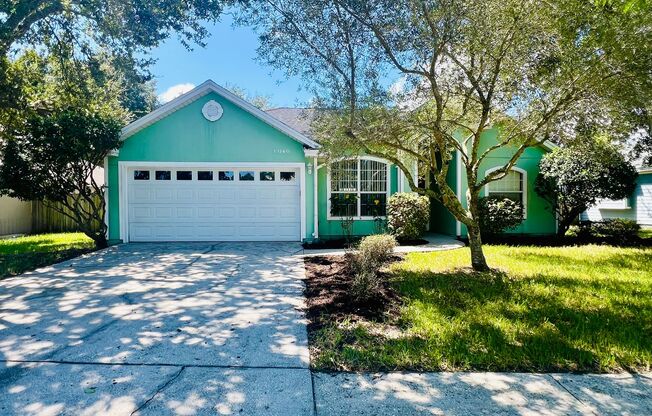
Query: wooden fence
{"points": [[49, 220]]}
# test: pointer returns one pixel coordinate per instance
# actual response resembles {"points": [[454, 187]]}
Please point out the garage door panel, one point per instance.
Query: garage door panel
{"points": [[213, 210], [226, 212], [163, 195], [206, 195], [268, 212], [185, 212], [247, 213], [267, 195], [224, 195], [247, 195]]}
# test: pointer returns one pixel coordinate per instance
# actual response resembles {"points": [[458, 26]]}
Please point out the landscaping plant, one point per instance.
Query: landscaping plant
{"points": [[372, 254], [617, 230], [574, 178], [498, 214], [408, 215]]}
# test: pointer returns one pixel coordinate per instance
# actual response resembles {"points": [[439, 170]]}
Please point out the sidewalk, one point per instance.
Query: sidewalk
{"points": [[482, 394]]}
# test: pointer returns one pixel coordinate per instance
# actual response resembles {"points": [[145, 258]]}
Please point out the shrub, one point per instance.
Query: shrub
{"points": [[372, 254], [499, 214], [407, 215], [377, 249], [365, 285], [617, 230]]}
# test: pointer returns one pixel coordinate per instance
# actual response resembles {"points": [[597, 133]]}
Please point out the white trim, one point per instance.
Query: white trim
{"points": [[328, 187], [315, 198], [311, 152], [400, 178], [458, 169], [106, 195], [549, 145], [523, 172], [198, 92], [124, 166]]}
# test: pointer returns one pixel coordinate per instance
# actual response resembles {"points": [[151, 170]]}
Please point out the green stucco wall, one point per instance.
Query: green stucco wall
{"points": [[186, 136], [539, 219], [441, 220]]}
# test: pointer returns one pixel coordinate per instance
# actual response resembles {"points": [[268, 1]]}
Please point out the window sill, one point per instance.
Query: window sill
{"points": [[329, 218]]}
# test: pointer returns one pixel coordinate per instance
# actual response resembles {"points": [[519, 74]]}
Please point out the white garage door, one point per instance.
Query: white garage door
{"points": [[213, 204]]}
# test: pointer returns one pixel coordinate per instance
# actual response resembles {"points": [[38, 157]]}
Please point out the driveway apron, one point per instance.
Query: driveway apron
{"points": [[176, 328]]}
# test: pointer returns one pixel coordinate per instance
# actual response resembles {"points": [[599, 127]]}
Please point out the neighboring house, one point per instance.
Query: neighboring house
{"points": [[637, 207], [210, 166]]}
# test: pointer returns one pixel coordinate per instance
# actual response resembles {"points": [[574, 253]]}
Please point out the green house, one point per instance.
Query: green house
{"points": [[209, 166]]}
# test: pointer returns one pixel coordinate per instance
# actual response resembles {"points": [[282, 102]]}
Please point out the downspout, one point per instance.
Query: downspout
{"points": [[315, 198]]}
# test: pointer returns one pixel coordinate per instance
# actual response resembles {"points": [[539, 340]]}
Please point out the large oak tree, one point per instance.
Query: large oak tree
{"points": [[533, 69]]}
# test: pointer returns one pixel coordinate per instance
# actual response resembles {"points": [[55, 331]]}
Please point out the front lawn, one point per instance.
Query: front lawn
{"points": [[586, 308], [18, 255]]}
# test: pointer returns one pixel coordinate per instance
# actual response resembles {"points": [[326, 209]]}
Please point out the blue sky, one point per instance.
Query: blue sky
{"points": [[229, 58]]}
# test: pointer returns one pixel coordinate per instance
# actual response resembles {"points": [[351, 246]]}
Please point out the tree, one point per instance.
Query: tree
{"points": [[530, 68], [262, 102], [122, 31], [126, 25], [52, 158], [68, 118], [574, 178]]}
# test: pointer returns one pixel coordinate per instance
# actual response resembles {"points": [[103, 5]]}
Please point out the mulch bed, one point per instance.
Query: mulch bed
{"points": [[329, 299]]}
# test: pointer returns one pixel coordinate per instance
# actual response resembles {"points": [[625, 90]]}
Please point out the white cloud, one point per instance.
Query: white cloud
{"points": [[175, 91]]}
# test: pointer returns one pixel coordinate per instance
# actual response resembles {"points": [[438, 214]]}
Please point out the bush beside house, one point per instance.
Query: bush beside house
{"points": [[407, 216]]}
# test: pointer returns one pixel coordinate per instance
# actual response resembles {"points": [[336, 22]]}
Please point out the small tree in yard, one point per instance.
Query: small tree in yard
{"points": [[528, 67], [67, 120], [573, 178], [52, 158]]}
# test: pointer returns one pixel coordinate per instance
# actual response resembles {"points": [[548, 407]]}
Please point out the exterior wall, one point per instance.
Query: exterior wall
{"points": [[540, 219], [186, 136], [441, 220], [15, 216], [639, 207], [332, 229]]}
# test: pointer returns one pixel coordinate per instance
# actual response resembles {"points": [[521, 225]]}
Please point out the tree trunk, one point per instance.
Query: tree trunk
{"points": [[564, 222], [478, 261], [562, 227], [99, 239]]}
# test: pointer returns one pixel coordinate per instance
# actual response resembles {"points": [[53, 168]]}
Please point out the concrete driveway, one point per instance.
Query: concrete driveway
{"points": [[158, 328], [196, 329]]}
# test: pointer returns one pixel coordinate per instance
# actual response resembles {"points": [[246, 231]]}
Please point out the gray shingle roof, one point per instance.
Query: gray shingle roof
{"points": [[300, 119]]}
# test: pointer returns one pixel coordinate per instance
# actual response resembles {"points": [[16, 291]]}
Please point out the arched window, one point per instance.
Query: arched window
{"points": [[358, 188], [512, 186]]}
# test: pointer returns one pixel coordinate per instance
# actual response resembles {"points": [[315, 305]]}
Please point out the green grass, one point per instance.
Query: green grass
{"points": [[21, 254], [583, 308]]}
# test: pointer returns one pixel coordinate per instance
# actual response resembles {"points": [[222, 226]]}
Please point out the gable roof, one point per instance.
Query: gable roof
{"points": [[202, 90]]}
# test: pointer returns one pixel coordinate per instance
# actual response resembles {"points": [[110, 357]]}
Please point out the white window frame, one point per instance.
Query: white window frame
{"points": [[487, 187], [358, 192]]}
